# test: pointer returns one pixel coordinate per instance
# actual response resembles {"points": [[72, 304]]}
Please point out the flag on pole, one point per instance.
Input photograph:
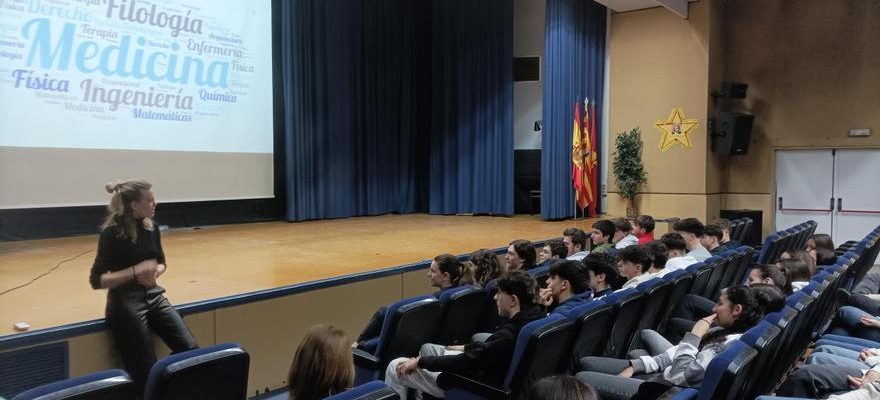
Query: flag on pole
{"points": [[592, 162], [578, 153]]}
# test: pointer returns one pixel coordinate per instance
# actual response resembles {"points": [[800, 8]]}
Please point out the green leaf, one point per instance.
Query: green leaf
{"points": [[627, 167]]}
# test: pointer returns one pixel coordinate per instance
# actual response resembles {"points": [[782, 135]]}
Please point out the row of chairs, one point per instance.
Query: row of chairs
{"points": [[740, 228], [758, 361], [794, 238], [215, 372]]}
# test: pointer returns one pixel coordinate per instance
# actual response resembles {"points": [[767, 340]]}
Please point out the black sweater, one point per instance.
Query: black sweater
{"points": [[115, 253], [487, 361]]}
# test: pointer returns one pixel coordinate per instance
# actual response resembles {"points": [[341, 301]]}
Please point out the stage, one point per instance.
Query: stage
{"points": [[219, 261]]}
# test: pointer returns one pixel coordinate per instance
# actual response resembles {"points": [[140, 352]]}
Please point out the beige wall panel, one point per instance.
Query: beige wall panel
{"points": [[660, 61], [270, 330], [415, 283], [92, 353], [661, 205], [763, 202], [807, 90]]}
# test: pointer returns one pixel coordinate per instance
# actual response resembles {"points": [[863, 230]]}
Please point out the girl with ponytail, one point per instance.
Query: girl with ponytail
{"points": [[129, 260]]}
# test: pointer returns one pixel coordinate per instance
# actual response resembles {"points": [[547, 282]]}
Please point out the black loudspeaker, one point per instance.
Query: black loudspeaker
{"points": [[526, 69], [753, 236], [732, 133], [734, 90], [526, 181]]}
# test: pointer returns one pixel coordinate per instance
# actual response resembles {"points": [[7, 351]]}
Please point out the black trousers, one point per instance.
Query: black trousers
{"points": [[133, 314], [815, 381]]}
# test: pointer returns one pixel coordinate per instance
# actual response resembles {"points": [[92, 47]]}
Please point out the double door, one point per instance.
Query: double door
{"points": [[837, 188]]}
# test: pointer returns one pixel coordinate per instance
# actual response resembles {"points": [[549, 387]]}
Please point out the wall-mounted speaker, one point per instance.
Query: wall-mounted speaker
{"points": [[732, 133]]}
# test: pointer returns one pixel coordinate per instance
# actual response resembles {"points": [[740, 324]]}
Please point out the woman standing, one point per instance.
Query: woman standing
{"points": [[129, 260]]}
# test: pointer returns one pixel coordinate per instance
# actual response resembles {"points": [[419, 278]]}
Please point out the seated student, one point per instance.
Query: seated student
{"points": [[819, 240], [724, 223], [633, 264], [521, 254], [322, 366], [603, 274], [769, 274], [552, 252], [603, 232], [797, 273], [660, 256], [643, 228], [483, 266], [853, 322], [568, 286], [803, 256], [818, 380], [683, 364], [445, 273], [691, 229], [487, 361], [575, 240], [866, 295], [623, 236], [561, 387], [676, 257], [711, 239]]}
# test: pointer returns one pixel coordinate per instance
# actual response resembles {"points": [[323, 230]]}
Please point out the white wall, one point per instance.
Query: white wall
{"points": [[528, 40]]}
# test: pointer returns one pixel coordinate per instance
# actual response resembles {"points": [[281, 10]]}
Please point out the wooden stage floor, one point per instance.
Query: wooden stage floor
{"points": [[225, 260]]}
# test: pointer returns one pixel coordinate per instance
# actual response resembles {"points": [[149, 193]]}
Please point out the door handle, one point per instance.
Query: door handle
{"points": [[831, 206], [779, 203], [839, 204]]}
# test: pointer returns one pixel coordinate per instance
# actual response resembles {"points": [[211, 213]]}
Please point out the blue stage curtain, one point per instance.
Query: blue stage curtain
{"points": [[353, 87], [574, 68], [397, 106], [471, 168]]}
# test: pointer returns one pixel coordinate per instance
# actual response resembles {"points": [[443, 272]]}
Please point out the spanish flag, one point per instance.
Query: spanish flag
{"points": [[579, 143], [591, 179]]}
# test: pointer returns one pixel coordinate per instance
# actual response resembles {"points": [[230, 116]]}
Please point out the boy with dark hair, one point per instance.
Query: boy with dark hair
{"points": [[676, 248], [634, 263], [691, 229], [602, 273], [660, 257], [603, 231], [711, 239], [724, 223], [486, 361], [551, 252], [643, 229], [623, 236], [567, 287], [575, 240]]}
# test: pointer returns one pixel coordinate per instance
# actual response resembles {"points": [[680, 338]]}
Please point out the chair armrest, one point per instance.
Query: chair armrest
{"points": [[365, 360], [449, 381]]}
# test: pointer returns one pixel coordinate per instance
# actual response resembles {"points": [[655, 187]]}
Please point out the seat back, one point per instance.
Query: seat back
{"points": [[681, 284], [541, 274], [215, 372], [742, 268], [373, 390], [112, 384], [462, 315], [407, 327], [628, 306], [541, 350], [592, 321], [718, 266], [765, 338], [727, 373], [657, 293], [701, 272]]}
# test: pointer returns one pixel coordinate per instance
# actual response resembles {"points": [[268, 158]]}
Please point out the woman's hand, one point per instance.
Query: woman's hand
{"points": [[869, 321], [408, 366], [703, 324], [546, 296], [866, 353], [147, 271]]}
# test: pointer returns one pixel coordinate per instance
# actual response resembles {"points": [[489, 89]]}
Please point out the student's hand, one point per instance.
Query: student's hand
{"points": [[854, 383], [627, 372], [459, 347], [867, 353], [408, 366], [545, 296], [870, 377], [869, 321], [702, 325]]}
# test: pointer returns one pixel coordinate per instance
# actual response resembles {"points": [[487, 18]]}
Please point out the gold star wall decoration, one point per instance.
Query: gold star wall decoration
{"points": [[676, 129]]}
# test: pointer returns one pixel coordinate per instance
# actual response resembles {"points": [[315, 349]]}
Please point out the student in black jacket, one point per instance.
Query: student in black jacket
{"points": [[484, 361]]}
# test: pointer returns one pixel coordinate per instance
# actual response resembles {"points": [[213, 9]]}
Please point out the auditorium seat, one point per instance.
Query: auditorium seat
{"points": [[628, 305], [218, 372], [112, 384], [463, 314], [765, 338], [727, 373], [540, 350], [592, 321], [701, 271], [681, 281], [408, 324], [718, 266], [657, 292], [373, 390]]}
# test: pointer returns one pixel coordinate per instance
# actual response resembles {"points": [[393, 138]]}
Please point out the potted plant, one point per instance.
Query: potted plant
{"points": [[629, 172]]}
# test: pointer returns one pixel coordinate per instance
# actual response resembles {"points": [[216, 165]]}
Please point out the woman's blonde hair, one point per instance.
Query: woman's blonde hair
{"points": [[323, 364], [119, 212]]}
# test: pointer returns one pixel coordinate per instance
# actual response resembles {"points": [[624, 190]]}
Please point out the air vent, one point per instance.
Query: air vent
{"points": [[28, 368]]}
